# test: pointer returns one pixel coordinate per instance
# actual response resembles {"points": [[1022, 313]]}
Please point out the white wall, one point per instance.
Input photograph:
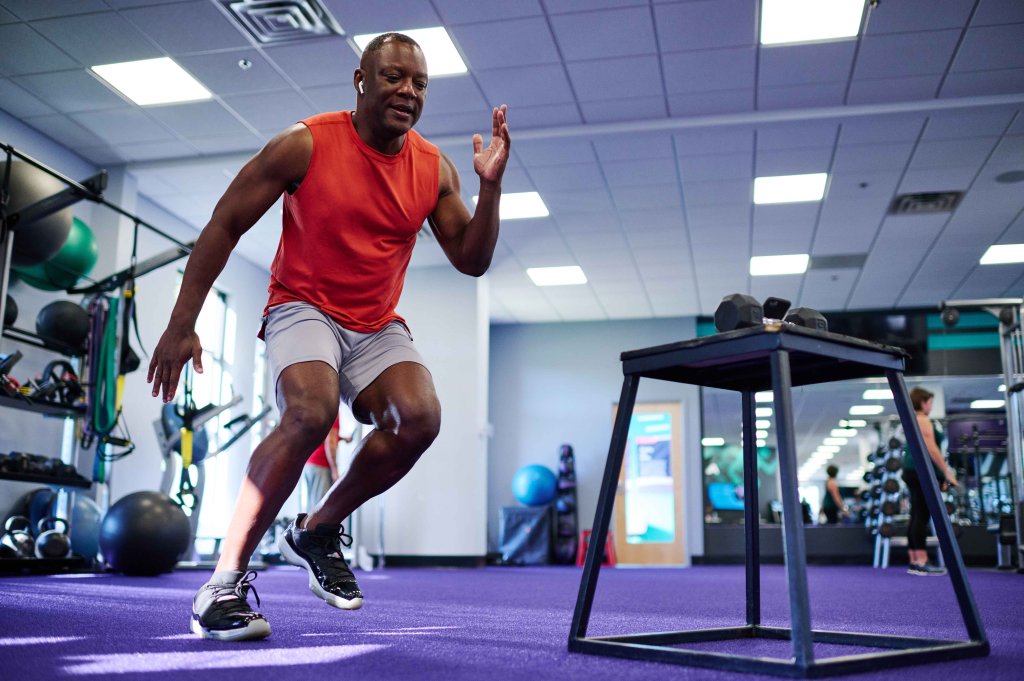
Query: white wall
{"points": [[440, 508], [554, 384]]}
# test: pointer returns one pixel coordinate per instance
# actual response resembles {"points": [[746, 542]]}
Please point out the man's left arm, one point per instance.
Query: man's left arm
{"points": [[469, 241]]}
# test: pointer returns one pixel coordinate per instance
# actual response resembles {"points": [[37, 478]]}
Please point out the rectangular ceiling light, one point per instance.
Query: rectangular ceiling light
{"points": [[520, 205], [878, 394], [767, 265], [713, 441], [557, 276], [766, 396], [843, 432], [802, 21], [866, 409], [760, 443], [790, 188], [988, 404], [853, 423], [763, 412], [763, 424], [828, 449], [1002, 254], [443, 59], [152, 81], [835, 441]]}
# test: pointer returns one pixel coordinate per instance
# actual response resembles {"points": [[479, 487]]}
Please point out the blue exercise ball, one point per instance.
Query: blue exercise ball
{"points": [[534, 485]]}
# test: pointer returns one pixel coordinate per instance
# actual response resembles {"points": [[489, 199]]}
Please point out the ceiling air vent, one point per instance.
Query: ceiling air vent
{"points": [[278, 21], [928, 202]]}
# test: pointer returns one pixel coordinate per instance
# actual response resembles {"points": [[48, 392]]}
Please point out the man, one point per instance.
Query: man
{"points": [[358, 186]]}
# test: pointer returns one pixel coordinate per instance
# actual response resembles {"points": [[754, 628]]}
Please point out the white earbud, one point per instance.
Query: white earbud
{"points": [[361, 88]]}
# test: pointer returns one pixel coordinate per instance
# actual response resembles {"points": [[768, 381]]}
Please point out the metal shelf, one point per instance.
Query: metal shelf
{"points": [[83, 483], [44, 408]]}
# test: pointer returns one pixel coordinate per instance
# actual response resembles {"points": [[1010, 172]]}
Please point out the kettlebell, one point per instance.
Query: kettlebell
{"points": [[52, 543], [18, 536]]}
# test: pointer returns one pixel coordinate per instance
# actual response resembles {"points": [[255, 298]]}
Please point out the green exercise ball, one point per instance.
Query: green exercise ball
{"points": [[74, 260], [36, 242]]}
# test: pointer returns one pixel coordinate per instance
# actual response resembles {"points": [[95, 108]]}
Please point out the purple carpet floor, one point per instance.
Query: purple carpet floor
{"points": [[488, 623]]}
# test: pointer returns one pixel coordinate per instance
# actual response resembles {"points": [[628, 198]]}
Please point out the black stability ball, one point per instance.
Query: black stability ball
{"points": [[39, 241], [10, 312], [63, 322], [144, 534]]}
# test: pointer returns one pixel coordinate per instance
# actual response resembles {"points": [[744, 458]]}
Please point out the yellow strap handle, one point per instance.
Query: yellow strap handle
{"points": [[186, 448]]}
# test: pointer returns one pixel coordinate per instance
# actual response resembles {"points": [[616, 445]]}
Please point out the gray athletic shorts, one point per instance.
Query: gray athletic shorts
{"points": [[299, 332]]}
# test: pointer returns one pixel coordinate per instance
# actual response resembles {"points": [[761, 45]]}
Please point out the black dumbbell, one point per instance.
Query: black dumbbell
{"points": [[895, 443], [807, 318], [891, 486], [738, 311], [893, 464], [890, 508]]}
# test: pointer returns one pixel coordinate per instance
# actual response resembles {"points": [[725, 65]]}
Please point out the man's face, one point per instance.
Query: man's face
{"points": [[395, 82]]}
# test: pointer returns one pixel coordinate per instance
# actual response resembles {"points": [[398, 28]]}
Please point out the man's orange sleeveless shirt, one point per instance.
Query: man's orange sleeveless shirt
{"points": [[350, 227]]}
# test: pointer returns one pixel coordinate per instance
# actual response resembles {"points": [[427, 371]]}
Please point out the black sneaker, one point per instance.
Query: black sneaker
{"points": [[221, 612], [319, 552], [926, 570]]}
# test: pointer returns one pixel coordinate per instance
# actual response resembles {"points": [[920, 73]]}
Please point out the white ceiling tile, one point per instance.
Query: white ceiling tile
{"points": [[733, 139], [6, 17], [969, 123], [324, 61], [526, 117], [868, 157], [796, 135], [65, 131], [716, 167], [201, 119], [583, 223], [28, 10], [793, 162], [944, 153], [706, 24], [587, 201], [707, 70], [147, 151], [828, 62], [270, 111], [652, 219], [526, 86], [18, 102], [635, 173], [612, 110], [123, 126], [506, 43], [826, 289], [568, 177], [220, 72], [340, 97], [634, 77], [985, 48], [918, 15], [709, 103], [718, 217], [220, 144], [875, 188], [626, 306], [923, 53], [610, 242], [722, 192], [358, 16], [877, 90], [207, 27], [890, 128], [633, 146], [974, 83], [605, 33], [998, 12], [473, 11], [1009, 152], [797, 96], [937, 179], [25, 51], [94, 39], [70, 91], [648, 196]]}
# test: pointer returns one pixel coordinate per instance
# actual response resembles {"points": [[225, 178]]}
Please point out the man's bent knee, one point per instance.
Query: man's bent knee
{"points": [[307, 424]]}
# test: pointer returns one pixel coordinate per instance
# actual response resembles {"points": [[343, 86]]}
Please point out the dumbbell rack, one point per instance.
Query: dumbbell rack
{"points": [[747, 361]]}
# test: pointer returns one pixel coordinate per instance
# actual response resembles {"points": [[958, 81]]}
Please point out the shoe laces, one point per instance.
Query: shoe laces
{"points": [[337, 571], [232, 597]]}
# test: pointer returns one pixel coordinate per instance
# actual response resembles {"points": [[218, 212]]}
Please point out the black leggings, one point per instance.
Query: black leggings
{"points": [[917, 529]]}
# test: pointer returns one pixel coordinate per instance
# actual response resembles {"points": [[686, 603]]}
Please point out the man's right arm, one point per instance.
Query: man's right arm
{"points": [[282, 162]]}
